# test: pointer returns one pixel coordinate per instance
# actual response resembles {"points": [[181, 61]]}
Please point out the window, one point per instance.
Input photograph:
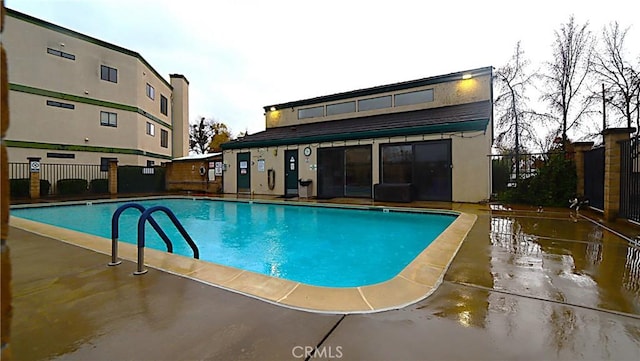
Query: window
{"points": [[150, 163], [151, 129], [104, 163], [340, 108], [311, 112], [108, 119], [164, 138], [374, 103], [108, 73], [397, 163], [417, 97], [163, 104], [61, 54], [151, 92], [61, 155], [53, 103]]}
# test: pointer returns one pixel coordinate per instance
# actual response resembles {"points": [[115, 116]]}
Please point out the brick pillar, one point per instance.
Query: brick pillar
{"points": [[580, 148], [34, 177], [113, 176], [612, 170]]}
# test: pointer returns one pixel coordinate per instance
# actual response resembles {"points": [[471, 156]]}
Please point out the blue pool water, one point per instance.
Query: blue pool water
{"points": [[320, 246]]}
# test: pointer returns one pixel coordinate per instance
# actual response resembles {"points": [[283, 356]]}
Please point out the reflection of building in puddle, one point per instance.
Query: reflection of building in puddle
{"points": [[631, 275]]}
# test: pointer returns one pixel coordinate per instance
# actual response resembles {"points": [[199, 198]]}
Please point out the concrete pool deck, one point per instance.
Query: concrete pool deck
{"points": [[417, 281], [523, 285]]}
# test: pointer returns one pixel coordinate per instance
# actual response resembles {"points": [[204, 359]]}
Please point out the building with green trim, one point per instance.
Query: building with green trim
{"points": [[425, 139], [77, 99]]}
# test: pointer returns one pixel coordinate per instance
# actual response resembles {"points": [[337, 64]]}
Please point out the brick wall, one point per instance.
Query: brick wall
{"points": [[185, 176]]}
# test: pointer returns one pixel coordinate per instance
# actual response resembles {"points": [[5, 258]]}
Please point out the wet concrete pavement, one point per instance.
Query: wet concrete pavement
{"points": [[519, 288], [523, 286]]}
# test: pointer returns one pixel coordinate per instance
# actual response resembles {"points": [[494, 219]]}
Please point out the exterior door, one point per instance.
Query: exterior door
{"points": [[244, 172], [432, 170], [291, 172]]}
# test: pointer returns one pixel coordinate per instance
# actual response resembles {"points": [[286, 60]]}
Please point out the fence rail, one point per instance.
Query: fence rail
{"points": [[55, 172], [18, 170], [508, 169], [630, 179]]}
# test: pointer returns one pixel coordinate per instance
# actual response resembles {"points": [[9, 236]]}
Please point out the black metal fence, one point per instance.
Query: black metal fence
{"points": [[594, 177], [18, 170], [630, 179], [52, 173], [508, 169], [55, 172]]}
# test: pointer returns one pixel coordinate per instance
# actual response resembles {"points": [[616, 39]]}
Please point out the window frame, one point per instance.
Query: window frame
{"points": [[57, 104], [60, 53], [164, 138], [151, 129], [111, 74], [109, 123], [151, 92], [164, 105], [311, 111]]}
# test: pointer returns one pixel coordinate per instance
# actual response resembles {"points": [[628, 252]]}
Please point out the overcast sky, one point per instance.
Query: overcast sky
{"points": [[242, 55]]}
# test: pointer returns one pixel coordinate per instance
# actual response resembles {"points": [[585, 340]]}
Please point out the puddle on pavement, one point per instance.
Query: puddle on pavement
{"points": [[558, 260]]}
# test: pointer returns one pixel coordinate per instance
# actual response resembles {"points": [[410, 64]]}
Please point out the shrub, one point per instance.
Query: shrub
{"points": [[45, 186], [71, 186], [20, 187], [554, 184], [99, 186]]}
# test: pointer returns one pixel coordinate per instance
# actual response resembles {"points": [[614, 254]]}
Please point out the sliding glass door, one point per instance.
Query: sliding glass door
{"points": [[425, 165], [344, 172]]}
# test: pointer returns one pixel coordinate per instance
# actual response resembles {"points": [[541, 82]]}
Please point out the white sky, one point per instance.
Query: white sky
{"points": [[242, 55]]}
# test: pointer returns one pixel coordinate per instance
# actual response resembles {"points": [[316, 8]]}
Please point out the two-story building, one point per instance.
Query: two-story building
{"points": [[425, 139], [78, 99]]}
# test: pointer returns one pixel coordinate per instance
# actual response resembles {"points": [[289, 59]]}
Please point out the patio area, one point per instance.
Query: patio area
{"points": [[524, 285]]}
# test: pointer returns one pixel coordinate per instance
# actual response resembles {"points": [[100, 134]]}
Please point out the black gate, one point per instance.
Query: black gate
{"points": [[138, 179], [630, 179], [594, 177]]}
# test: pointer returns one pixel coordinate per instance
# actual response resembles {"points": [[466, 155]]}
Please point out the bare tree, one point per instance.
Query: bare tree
{"points": [[567, 76], [514, 121], [621, 80], [200, 135]]}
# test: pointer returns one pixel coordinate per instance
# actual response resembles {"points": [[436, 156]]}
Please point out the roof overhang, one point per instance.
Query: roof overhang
{"points": [[466, 126]]}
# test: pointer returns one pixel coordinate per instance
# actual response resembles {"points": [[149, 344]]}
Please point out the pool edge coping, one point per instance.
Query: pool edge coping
{"points": [[417, 281]]}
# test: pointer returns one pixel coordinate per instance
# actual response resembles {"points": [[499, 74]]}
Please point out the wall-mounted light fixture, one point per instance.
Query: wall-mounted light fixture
{"points": [[467, 76], [273, 109]]}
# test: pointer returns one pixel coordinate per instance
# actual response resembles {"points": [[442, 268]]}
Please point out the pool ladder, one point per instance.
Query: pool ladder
{"points": [[144, 217]]}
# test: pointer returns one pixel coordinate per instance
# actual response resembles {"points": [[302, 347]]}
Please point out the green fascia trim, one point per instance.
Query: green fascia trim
{"points": [[82, 148], [467, 126], [89, 39], [79, 99], [147, 115]]}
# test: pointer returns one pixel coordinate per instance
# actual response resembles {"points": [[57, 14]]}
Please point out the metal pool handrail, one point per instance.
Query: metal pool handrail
{"points": [[146, 215], [115, 231]]}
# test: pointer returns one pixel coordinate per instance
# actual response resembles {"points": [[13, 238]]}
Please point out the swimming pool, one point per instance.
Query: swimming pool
{"points": [[321, 246]]}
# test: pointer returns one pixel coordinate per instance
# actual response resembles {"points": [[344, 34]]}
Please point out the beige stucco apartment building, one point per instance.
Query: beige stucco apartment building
{"points": [[77, 99], [426, 139]]}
